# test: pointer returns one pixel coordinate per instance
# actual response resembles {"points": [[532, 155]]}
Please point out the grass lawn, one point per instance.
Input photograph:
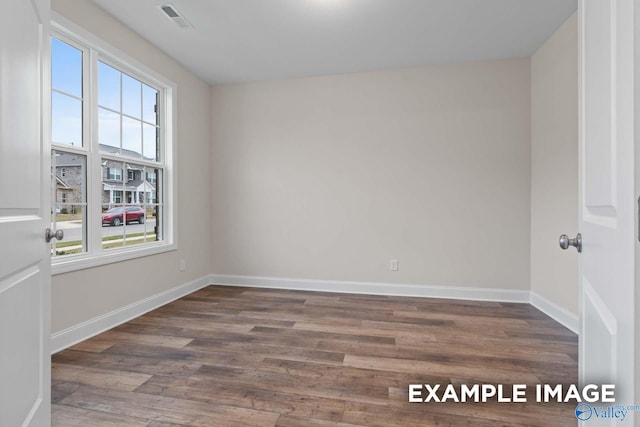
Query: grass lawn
{"points": [[74, 249], [68, 217], [78, 217]]}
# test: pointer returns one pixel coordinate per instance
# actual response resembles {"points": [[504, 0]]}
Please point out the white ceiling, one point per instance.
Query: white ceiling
{"points": [[248, 40]]}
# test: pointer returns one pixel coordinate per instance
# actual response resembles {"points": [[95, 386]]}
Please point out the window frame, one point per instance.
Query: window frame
{"points": [[94, 50], [113, 176]]}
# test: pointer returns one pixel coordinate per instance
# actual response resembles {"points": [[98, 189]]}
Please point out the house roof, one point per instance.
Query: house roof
{"points": [[122, 151], [133, 185], [64, 159]]}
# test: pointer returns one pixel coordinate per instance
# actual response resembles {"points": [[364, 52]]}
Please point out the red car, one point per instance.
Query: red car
{"points": [[115, 216]]}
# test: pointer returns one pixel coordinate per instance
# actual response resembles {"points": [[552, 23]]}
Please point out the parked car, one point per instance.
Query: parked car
{"points": [[116, 216]]}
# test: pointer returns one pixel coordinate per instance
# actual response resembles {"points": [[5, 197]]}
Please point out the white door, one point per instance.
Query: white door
{"points": [[607, 201], [24, 214]]}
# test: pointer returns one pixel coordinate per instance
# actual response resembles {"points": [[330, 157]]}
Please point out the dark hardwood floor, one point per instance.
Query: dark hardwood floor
{"points": [[231, 356]]}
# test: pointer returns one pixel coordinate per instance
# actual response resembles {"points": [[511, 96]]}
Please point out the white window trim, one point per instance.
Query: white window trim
{"points": [[114, 176], [96, 257]]}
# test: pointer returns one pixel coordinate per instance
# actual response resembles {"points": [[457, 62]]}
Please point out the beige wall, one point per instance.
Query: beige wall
{"points": [[83, 295], [554, 166], [331, 177]]}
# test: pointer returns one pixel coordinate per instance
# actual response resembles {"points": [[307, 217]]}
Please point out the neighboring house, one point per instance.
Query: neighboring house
{"points": [[126, 182], [123, 182], [69, 177]]}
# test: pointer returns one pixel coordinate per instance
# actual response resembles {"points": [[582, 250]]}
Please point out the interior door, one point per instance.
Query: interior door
{"points": [[24, 214], [607, 202]]}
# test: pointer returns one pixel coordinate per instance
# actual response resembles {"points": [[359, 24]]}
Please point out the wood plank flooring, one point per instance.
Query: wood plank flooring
{"points": [[231, 356]]}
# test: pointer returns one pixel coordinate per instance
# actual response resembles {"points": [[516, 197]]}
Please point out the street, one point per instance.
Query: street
{"points": [[73, 229]]}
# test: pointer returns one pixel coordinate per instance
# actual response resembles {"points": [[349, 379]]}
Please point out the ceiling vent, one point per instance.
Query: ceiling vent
{"points": [[176, 17]]}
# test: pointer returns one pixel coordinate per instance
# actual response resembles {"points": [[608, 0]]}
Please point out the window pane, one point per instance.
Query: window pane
{"points": [[131, 137], [66, 120], [112, 226], [112, 183], [148, 180], [150, 149], [135, 184], [142, 222], [149, 101], [66, 68], [133, 214], [69, 202], [71, 219], [131, 96], [71, 176], [108, 131], [152, 178], [114, 174], [108, 87]]}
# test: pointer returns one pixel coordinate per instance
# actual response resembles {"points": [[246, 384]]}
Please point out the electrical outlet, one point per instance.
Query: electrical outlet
{"points": [[393, 265], [183, 265]]}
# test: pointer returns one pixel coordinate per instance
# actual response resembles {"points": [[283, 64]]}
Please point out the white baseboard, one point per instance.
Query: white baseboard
{"points": [[374, 288], [85, 330], [559, 314]]}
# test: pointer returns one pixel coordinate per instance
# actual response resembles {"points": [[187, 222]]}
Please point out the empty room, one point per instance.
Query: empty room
{"points": [[319, 213]]}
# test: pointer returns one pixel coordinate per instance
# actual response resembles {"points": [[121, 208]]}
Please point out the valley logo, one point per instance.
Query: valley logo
{"points": [[585, 412]]}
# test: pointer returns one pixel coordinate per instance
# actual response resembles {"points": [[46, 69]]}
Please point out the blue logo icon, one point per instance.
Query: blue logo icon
{"points": [[583, 412]]}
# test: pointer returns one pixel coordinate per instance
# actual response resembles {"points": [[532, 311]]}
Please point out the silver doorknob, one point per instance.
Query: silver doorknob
{"points": [[565, 242], [49, 235]]}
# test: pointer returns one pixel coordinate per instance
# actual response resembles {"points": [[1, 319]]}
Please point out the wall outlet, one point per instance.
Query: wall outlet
{"points": [[393, 265], [183, 265]]}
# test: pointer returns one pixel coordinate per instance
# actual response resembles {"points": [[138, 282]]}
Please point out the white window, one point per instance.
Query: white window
{"points": [[114, 174], [109, 114]]}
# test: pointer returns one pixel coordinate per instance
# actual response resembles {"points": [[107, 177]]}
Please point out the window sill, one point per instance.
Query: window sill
{"points": [[82, 262]]}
